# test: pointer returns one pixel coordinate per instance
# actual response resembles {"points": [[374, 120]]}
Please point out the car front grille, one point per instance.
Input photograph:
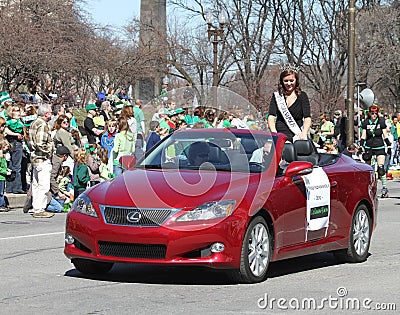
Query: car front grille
{"points": [[127, 250], [144, 217]]}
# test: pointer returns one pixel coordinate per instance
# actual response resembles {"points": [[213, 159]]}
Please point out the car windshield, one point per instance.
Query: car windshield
{"points": [[219, 150]]}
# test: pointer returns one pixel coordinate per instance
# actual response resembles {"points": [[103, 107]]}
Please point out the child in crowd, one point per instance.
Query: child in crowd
{"points": [[77, 137], [64, 184], [2, 127], [14, 133], [4, 171], [93, 163], [107, 139], [330, 148], [105, 173], [153, 137], [81, 173]]}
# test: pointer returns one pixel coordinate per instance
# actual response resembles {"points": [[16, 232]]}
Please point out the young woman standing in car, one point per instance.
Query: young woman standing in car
{"points": [[289, 110]]}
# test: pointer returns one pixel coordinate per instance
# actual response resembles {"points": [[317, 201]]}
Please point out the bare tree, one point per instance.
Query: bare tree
{"points": [[248, 44], [313, 35], [377, 52]]}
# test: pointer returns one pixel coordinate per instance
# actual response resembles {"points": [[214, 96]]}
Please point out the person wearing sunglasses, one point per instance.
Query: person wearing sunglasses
{"points": [[373, 139], [198, 153]]}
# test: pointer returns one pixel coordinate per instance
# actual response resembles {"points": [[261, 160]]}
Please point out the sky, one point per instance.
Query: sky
{"points": [[114, 12]]}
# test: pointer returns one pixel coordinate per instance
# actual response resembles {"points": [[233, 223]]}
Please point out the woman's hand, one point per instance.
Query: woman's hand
{"points": [[303, 136]]}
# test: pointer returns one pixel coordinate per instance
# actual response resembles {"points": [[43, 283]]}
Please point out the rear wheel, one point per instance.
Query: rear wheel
{"points": [[92, 267], [360, 237], [256, 252]]}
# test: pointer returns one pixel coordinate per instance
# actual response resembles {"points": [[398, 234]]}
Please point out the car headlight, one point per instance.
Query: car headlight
{"points": [[83, 205], [209, 211]]}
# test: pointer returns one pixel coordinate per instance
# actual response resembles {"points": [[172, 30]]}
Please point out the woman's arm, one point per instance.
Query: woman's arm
{"points": [[305, 103], [271, 123], [306, 128]]}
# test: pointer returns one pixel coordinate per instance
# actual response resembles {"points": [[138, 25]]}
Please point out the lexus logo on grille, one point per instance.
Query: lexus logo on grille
{"points": [[134, 217]]}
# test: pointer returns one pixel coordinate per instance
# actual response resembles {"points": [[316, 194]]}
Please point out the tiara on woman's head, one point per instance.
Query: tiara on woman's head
{"points": [[289, 66]]}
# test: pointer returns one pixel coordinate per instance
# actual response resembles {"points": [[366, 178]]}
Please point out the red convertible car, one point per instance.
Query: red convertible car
{"points": [[228, 199]]}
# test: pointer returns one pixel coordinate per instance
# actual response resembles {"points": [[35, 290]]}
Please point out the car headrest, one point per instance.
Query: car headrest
{"points": [[217, 156], [289, 152], [303, 147], [249, 145]]}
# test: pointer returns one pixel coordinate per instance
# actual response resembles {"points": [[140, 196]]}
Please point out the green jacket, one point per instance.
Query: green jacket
{"points": [[81, 176], [124, 144], [3, 168]]}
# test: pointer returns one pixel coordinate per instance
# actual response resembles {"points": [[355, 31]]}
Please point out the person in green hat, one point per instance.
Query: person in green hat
{"points": [[5, 102], [92, 132], [163, 114]]}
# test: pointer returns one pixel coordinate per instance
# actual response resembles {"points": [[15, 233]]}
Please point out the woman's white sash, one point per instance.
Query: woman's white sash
{"points": [[290, 122]]}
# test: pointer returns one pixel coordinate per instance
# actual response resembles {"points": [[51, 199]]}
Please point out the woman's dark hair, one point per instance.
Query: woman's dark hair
{"points": [[65, 171], [102, 153], [123, 125], [199, 112], [281, 87]]}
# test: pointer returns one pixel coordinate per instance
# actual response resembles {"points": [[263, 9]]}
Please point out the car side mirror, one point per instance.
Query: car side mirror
{"points": [[298, 168], [127, 161]]}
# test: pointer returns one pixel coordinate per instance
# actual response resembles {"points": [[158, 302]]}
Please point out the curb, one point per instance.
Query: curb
{"points": [[16, 200]]}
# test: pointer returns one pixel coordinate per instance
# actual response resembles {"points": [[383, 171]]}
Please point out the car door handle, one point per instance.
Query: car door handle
{"points": [[333, 184]]}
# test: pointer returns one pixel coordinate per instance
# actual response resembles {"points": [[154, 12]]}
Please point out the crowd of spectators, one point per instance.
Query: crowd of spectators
{"points": [[45, 152]]}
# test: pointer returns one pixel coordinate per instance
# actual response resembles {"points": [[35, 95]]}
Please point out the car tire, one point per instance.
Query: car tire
{"points": [[359, 239], [256, 253], [92, 267]]}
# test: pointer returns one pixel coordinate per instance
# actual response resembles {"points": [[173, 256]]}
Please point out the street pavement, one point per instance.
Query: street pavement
{"points": [[36, 278]]}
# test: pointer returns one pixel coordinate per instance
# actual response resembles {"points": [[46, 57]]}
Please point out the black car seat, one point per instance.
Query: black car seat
{"points": [[288, 155], [289, 152], [217, 156], [306, 151]]}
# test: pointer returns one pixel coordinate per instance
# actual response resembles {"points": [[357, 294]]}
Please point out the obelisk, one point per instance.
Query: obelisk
{"points": [[153, 29]]}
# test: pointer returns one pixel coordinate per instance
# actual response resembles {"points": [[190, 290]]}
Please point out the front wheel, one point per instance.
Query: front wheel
{"points": [[92, 267], [256, 252], [360, 237]]}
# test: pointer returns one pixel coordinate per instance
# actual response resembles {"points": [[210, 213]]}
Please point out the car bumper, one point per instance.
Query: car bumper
{"points": [[96, 240]]}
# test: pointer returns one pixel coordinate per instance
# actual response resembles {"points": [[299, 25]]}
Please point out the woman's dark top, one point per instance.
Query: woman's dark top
{"points": [[300, 109], [374, 132]]}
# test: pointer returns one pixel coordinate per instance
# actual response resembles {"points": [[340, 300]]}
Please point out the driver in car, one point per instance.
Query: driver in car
{"points": [[198, 153], [260, 155]]}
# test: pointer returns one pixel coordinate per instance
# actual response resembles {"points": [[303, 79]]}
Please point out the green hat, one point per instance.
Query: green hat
{"points": [[164, 111], [91, 107], [119, 104], [5, 97], [179, 110]]}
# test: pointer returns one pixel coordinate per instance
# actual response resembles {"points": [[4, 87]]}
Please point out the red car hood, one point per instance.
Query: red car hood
{"points": [[180, 189]]}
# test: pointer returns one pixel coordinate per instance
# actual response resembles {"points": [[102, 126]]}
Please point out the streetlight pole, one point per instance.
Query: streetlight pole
{"points": [[358, 84], [215, 33], [350, 74]]}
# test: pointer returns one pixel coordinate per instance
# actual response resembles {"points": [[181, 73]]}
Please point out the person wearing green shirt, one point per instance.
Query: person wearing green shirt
{"points": [[14, 133], [124, 144], [81, 173]]}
